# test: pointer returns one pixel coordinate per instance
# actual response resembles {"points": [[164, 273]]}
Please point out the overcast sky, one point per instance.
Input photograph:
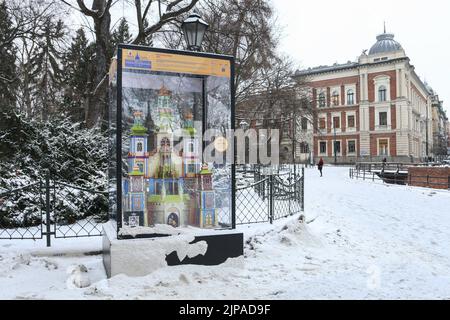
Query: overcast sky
{"points": [[322, 32]]}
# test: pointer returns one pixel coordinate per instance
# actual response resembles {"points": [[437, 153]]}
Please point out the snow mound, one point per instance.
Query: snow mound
{"points": [[78, 277], [299, 234]]}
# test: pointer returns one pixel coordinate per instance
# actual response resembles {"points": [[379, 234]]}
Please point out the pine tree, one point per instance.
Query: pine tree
{"points": [[120, 35], [78, 69], [8, 76], [46, 68]]}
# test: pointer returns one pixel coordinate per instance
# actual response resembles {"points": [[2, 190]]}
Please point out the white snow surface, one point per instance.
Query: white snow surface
{"points": [[362, 240]]}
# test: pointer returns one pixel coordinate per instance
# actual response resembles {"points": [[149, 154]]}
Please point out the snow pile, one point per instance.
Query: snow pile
{"points": [[78, 277]]}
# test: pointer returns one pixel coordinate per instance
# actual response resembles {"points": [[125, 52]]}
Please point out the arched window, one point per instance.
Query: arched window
{"points": [[139, 147], [191, 147], [335, 98], [350, 97], [322, 100], [382, 93]]}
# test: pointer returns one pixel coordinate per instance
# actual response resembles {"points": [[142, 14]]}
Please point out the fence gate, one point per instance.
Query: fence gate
{"points": [[52, 208], [21, 212], [268, 197]]}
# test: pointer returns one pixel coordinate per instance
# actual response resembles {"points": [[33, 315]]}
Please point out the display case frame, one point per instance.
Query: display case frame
{"points": [[116, 102]]}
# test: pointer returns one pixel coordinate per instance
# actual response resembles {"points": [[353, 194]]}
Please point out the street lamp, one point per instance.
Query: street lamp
{"points": [[194, 28], [244, 125]]}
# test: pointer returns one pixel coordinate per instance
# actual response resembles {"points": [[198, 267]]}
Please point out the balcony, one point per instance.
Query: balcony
{"points": [[383, 128]]}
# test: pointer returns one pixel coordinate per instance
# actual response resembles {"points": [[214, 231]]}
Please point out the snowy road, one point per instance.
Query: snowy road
{"points": [[368, 241]]}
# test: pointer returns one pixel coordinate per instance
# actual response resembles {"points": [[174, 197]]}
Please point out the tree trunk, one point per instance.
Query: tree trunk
{"points": [[97, 103]]}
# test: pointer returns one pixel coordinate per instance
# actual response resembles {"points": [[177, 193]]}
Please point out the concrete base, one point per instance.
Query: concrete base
{"points": [[141, 256]]}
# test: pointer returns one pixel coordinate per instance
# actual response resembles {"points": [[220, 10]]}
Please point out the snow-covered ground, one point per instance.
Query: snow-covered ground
{"points": [[366, 241]]}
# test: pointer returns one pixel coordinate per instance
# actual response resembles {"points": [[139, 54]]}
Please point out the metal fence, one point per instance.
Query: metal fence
{"points": [[400, 177], [265, 194], [52, 208]]}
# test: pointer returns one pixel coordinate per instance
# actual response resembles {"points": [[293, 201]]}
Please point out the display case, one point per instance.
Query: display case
{"points": [[163, 106]]}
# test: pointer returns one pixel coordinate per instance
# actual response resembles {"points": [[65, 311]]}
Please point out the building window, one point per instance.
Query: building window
{"points": [[191, 168], [191, 147], [304, 148], [383, 118], [336, 122], [322, 123], [304, 124], [351, 146], [140, 166], [383, 146], [165, 142], [322, 101], [351, 121], [286, 130], [323, 147], [350, 97], [337, 147], [139, 147], [335, 98], [382, 94]]}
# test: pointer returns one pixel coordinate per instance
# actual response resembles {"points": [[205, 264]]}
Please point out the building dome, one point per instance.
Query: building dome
{"points": [[385, 43]]}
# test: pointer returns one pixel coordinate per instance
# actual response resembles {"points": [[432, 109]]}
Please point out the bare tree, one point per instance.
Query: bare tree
{"points": [[100, 14]]}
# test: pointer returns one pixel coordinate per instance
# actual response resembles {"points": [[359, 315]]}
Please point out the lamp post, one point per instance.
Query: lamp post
{"points": [[244, 126], [194, 28]]}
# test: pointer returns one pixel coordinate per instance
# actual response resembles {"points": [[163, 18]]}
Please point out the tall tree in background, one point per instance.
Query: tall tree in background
{"points": [[244, 29], [101, 17], [46, 68], [78, 69], [97, 99], [8, 73], [120, 35]]}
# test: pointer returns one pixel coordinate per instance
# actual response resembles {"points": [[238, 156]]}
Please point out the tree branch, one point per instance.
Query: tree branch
{"points": [[85, 10]]}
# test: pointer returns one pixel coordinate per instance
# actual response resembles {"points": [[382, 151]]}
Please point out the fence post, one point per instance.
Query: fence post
{"points": [[303, 188], [47, 209], [448, 182], [271, 199], [428, 180]]}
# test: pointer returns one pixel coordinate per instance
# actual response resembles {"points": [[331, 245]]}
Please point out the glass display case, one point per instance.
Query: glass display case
{"points": [[162, 104]]}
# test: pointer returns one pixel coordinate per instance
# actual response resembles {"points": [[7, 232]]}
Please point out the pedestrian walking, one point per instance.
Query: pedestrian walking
{"points": [[320, 166]]}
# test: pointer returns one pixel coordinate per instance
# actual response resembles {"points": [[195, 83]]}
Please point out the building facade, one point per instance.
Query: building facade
{"points": [[371, 109], [440, 120]]}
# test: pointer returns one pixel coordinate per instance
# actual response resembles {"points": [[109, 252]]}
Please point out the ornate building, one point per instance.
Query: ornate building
{"points": [[372, 109], [439, 123], [165, 186]]}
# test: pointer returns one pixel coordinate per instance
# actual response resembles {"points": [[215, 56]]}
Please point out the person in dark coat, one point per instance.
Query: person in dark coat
{"points": [[320, 166]]}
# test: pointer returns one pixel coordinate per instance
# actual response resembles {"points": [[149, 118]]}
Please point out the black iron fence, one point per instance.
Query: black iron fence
{"points": [[265, 194], [52, 208]]}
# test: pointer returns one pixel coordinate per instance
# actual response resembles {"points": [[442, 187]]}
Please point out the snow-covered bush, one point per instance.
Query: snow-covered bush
{"points": [[66, 152]]}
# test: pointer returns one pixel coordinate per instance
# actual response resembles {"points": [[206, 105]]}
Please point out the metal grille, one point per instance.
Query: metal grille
{"points": [[74, 218], [21, 213], [52, 208], [266, 194]]}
